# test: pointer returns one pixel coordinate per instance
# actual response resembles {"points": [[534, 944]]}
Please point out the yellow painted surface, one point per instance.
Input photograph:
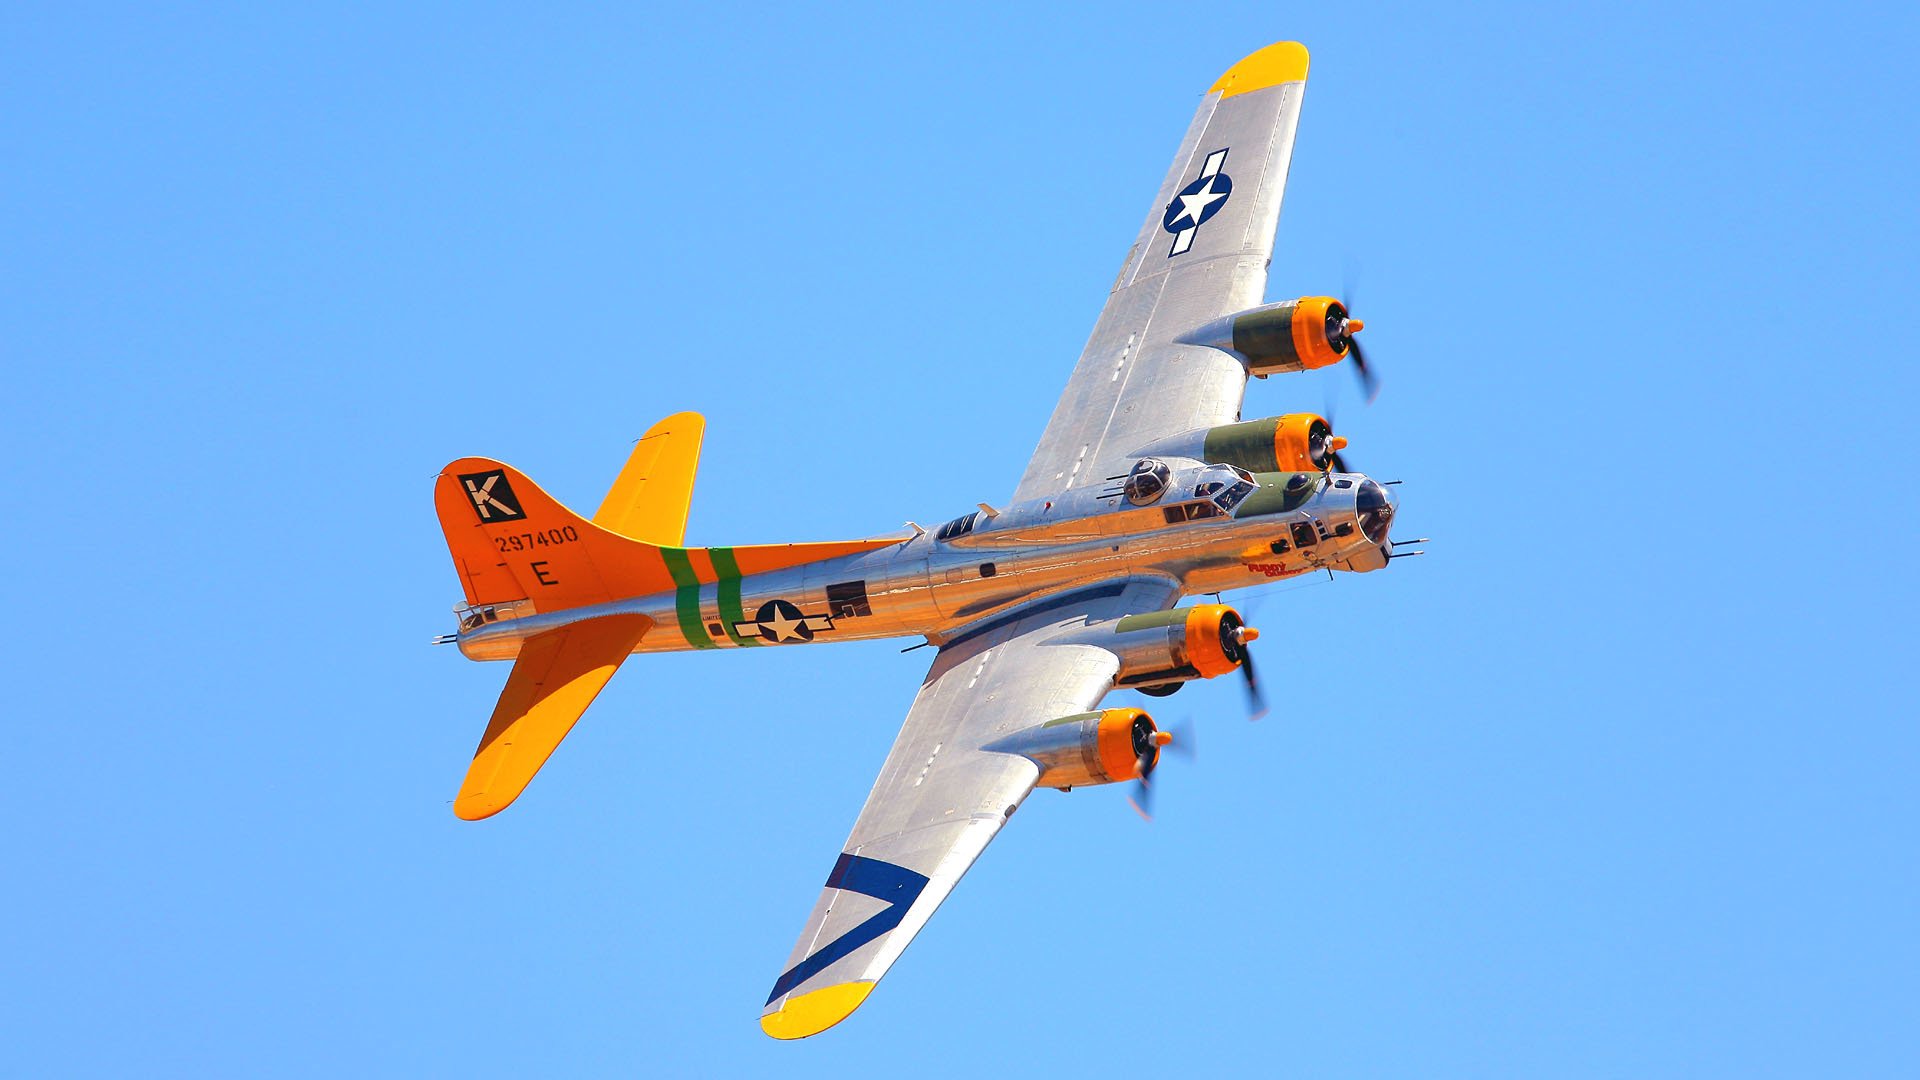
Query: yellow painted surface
{"points": [[1281, 62], [816, 1011], [650, 498], [555, 678]]}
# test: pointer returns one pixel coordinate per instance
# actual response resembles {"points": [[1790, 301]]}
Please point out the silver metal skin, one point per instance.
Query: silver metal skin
{"points": [[927, 587], [1026, 603], [1136, 382], [1039, 637], [1066, 750]]}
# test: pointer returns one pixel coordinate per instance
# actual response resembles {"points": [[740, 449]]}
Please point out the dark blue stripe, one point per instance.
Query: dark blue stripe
{"points": [[897, 885], [1081, 597]]}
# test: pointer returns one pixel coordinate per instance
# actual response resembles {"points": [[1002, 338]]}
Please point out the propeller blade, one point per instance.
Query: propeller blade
{"points": [[1338, 463], [1141, 797], [1368, 382], [1256, 702]]}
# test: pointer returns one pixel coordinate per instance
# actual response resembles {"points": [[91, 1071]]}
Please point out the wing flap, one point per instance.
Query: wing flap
{"points": [[555, 678]]}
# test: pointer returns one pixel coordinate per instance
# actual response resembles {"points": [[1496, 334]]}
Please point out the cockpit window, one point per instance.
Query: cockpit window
{"points": [[1147, 482], [1226, 485], [1233, 496]]}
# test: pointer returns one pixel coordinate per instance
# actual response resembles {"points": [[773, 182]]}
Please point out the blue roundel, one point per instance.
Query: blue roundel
{"points": [[1197, 202]]}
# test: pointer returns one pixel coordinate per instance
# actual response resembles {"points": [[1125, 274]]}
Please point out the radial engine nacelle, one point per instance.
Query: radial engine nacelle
{"points": [[1090, 748], [1295, 335], [1159, 651], [1296, 442]]}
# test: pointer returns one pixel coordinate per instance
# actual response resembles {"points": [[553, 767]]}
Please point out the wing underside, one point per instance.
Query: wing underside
{"points": [[941, 797], [1201, 253]]}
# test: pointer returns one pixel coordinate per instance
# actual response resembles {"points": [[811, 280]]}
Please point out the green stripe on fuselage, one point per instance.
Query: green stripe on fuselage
{"points": [[686, 597], [729, 590]]}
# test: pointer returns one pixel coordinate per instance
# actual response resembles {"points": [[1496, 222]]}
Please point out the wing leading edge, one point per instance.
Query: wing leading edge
{"points": [[941, 797], [1201, 253]]}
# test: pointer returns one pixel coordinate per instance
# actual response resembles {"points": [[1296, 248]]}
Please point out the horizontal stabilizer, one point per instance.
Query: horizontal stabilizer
{"points": [[651, 497], [557, 675]]}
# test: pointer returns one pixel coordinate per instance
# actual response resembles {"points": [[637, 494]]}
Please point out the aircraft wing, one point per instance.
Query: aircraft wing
{"points": [[941, 797], [1202, 253]]}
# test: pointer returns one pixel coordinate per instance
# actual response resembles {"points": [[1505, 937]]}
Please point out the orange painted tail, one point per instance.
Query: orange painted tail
{"points": [[510, 541]]}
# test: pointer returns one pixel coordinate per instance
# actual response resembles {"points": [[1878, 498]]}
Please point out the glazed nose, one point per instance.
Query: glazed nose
{"points": [[1375, 506]]}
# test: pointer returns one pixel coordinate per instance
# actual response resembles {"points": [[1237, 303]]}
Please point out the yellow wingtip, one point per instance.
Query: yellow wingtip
{"points": [[815, 1011], [1281, 62]]}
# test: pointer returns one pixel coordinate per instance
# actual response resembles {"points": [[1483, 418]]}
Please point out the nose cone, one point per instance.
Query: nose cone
{"points": [[1375, 506]]}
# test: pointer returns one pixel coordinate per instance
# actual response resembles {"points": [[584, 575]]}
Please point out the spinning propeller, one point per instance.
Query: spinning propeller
{"points": [[1340, 336], [1235, 636], [1179, 741]]}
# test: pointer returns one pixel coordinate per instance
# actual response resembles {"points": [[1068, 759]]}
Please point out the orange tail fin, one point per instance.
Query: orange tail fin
{"points": [[512, 541]]}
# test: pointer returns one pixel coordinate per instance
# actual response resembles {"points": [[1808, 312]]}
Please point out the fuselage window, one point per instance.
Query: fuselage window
{"points": [[1303, 535], [1191, 511], [848, 599]]}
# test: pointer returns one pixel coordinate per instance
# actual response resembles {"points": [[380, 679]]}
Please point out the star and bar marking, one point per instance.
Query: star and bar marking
{"points": [[1197, 202], [780, 621]]}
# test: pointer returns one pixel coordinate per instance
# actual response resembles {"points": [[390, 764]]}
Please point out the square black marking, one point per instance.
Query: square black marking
{"points": [[492, 497]]}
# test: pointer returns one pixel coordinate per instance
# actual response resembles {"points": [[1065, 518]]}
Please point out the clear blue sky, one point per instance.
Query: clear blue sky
{"points": [[1618, 782]]}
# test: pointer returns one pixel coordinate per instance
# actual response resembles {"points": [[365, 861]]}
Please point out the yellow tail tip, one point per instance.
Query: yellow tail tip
{"points": [[815, 1011], [1281, 62]]}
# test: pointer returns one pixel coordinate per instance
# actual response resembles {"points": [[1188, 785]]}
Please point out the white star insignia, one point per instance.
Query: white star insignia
{"points": [[1192, 206]]}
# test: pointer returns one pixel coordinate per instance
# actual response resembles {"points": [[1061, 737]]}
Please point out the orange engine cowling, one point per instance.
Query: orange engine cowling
{"points": [[1089, 748], [1295, 335], [1297, 442], [1166, 648]]}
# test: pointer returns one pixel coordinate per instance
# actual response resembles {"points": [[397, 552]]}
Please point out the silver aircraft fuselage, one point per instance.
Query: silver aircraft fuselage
{"points": [[935, 584]]}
